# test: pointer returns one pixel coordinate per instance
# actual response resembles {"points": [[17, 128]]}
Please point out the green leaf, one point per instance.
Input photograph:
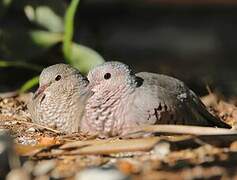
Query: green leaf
{"points": [[4, 5], [58, 7], [20, 64], [84, 58], [45, 17], [29, 84], [21, 43], [46, 39], [68, 30]]}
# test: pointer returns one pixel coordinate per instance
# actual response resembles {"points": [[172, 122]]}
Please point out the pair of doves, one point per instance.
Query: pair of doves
{"points": [[113, 100]]}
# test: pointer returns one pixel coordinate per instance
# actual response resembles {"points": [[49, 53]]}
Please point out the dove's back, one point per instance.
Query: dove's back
{"points": [[160, 99]]}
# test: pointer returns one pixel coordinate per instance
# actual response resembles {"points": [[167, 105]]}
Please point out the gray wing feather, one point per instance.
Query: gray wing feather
{"points": [[172, 102]]}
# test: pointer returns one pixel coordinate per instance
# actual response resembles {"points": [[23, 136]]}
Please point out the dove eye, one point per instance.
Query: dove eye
{"points": [[107, 76], [58, 77]]}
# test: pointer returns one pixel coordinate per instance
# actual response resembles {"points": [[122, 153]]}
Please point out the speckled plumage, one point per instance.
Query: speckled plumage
{"points": [[59, 103], [126, 100]]}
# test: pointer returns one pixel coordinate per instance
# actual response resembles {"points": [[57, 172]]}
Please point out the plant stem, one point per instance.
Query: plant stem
{"points": [[68, 30], [26, 65]]}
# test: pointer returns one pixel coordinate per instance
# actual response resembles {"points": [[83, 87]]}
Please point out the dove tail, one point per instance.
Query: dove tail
{"points": [[202, 110]]}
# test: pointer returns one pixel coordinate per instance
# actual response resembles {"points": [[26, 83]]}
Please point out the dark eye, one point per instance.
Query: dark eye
{"points": [[107, 76], [58, 77]]}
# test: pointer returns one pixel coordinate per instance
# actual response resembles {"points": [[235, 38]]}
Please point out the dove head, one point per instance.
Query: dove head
{"points": [[111, 75], [59, 76]]}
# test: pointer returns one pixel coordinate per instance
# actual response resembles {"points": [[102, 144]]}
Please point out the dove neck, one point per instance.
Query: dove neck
{"points": [[114, 95], [102, 109]]}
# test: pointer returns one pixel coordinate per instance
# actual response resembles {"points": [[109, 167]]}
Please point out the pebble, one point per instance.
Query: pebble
{"points": [[162, 149], [59, 173], [31, 130], [43, 167], [28, 166], [99, 173], [27, 140], [18, 174]]}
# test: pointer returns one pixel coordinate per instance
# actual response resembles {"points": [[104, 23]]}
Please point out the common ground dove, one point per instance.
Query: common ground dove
{"points": [[60, 99], [123, 100]]}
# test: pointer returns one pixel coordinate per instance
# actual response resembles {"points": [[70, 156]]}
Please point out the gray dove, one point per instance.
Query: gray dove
{"points": [[60, 99], [123, 100]]}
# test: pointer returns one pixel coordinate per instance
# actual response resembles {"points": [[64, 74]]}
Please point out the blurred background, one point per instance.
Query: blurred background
{"points": [[194, 41]]}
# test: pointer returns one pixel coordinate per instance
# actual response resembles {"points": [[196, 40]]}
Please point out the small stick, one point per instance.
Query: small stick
{"points": [[34, 124], [184, 129]]}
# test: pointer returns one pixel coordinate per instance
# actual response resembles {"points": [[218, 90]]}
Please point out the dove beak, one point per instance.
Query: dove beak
{"points": [[40, 90]]}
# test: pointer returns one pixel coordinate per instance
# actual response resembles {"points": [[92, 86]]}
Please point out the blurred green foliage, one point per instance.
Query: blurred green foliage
{"points": [[29, 84], [43, 25], [69, 24]]}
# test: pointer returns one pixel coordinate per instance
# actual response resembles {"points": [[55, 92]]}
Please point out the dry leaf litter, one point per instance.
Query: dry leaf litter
{"points": [[37, 152]]}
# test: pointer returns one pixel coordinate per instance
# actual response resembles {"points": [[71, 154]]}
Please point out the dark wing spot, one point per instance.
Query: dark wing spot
{"points": [[156, 113], [149, 115], [159, 107], [166, 107]]}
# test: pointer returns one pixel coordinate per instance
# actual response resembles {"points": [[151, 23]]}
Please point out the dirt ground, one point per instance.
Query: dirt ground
{"points": [[37, 152]]}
